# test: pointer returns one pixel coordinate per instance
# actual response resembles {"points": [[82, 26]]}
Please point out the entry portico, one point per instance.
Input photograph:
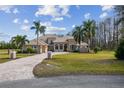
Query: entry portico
{"points": [[59, 47]]}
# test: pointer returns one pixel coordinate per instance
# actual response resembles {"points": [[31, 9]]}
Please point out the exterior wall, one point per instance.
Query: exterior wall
{"points": [[71, 47], [41, 48], [61, 47], [84, 49], [44, 49]]}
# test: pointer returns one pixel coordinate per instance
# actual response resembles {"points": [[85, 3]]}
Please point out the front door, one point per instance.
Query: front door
{"points": [[65, 47]]}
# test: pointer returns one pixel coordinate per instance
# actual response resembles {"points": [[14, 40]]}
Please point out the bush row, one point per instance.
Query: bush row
{"points": [[28, 50]]}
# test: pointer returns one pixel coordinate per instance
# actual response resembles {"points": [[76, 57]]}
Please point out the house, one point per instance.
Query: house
{"points": [[56, 43]]}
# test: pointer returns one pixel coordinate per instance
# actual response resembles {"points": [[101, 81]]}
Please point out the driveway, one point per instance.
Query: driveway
{"points": [[79, 81], [21, 68]]}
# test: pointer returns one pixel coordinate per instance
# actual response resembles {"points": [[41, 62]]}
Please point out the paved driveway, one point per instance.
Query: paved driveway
{"points": [[79, 81], [21, 68]]}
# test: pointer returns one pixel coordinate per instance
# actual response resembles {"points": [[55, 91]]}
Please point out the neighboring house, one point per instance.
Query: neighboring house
{"points": [[52, 42]]}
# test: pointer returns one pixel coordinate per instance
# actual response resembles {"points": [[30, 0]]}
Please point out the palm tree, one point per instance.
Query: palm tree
{"points": [[78, 34], [39, 29], [90, 29], [24, 41], [19, 41]]}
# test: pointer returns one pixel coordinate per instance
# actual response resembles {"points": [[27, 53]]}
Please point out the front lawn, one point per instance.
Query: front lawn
{"points": [[4, 57], [80, 63]]}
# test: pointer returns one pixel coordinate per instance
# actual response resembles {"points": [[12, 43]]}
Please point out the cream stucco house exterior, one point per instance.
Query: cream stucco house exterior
{"points": [[55, 43]]}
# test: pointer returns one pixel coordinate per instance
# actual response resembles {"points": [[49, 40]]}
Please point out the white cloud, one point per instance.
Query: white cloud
{"points": [[103, 15], [16, 21], [64, 9], [107, 7], [9, 9], [25, 27], [87, 15], [47, 24], [57, 19], [4, 34], [47, 10], [53, 10], [15, 11], [73, 26], [26, 21], [6, 8], [50, 28]]}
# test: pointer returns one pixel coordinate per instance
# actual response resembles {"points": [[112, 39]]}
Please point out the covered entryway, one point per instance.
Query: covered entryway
{"points": [[59, 47]]}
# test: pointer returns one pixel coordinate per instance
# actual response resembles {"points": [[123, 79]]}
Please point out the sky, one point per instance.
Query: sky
{"points": [[59, 19]]}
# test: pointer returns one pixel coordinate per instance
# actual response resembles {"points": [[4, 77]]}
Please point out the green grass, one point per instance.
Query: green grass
{"points": [[4, 57], [80, 63]]}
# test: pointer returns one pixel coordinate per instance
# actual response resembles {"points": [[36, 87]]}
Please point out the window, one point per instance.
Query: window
{"points": [[61, 46], [72, 47], [56, 46], [34, 47], [51, 42]]}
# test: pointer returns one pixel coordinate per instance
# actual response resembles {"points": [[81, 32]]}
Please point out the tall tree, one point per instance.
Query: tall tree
{"points": [[119, 10], [114, 33], [78, 34], [39, 30], [19, 41], [90, 30]]}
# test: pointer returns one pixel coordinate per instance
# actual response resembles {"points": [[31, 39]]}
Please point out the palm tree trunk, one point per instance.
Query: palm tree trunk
{"points": [[37, 43], [89, 43]]}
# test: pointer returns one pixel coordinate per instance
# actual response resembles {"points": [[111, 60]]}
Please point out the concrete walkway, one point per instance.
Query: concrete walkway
{"points": [[21, 68]]}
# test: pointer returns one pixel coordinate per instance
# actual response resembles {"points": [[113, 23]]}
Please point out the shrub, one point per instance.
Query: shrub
{"points": [[96, 49], [76, 51], [30, 50], [19, 51], [119, 53]]}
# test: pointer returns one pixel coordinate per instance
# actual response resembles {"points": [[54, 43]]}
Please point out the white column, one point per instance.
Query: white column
{"points": [[68, 49], [58, 47], [54, 47], [63, 47]]}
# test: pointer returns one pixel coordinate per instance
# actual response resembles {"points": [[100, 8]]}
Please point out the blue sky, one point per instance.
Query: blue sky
{"points": [[17, 20]]}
